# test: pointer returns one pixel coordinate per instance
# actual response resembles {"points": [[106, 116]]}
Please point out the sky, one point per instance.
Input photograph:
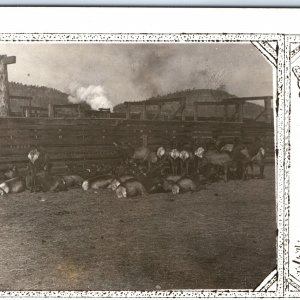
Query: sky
{"points": [[132, 72]]}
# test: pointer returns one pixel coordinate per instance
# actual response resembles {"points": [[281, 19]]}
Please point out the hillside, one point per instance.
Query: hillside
{"points": [[251, 110], [42, 95]]}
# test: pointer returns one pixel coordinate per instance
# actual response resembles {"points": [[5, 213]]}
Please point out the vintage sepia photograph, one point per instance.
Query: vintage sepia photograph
{"points": [[137, 166]]}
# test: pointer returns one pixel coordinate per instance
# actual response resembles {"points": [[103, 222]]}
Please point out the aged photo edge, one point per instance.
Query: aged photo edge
{"points": [[282, 159]]}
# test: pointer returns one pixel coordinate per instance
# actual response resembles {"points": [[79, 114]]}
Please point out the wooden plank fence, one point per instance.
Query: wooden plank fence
{"points": [[85, 141]]}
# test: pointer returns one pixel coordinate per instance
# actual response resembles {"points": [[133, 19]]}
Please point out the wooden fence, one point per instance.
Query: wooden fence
{"points": [[86, 141]]}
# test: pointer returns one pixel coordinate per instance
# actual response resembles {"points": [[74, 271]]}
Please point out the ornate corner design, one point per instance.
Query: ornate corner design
{"points": [[296, 71], [269, 283], [268, 50], [294, 284]]}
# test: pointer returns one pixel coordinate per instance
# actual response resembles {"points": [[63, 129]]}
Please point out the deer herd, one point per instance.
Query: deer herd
{"points": [[142, 170]]}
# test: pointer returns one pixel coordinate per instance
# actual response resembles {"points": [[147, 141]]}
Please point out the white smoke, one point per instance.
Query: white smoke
{"points": [[93, 95]]}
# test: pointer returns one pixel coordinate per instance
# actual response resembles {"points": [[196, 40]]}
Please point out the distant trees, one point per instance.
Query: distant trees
{"points": [[41, 95]]}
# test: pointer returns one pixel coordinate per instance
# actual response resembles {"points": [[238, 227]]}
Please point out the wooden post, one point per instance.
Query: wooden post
{"points": [[195, 111], [159, 111], [143, 115], [267, 110], [51, 111], [183, 115], [79, 110], [183, 110], [29, 108], [127, 110], [4, 93], [241, 112], [27, 113], [225, 112], [236, 114]]}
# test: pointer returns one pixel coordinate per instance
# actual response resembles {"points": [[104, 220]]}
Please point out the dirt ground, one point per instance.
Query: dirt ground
{"points": [[221, 237]]}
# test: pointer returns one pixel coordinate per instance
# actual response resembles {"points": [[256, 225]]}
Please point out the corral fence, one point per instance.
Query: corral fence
{"points": [[85, 140], [88, 136], [227, 110]]}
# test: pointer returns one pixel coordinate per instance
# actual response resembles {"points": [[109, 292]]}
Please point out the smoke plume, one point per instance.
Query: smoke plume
{"points": [[160, 69], [93, 95]]}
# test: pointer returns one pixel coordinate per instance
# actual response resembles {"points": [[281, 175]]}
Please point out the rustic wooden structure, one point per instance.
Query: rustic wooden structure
{"points": [[4, 92], [34, 111], [239, 105], [209, 103], [159, 104], [101, 113], [54, 110], [85, 141], [26, 109]]}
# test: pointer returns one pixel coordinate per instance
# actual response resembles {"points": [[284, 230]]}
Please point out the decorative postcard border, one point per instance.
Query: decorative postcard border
{"points": [[278, 282], [291, 73]]}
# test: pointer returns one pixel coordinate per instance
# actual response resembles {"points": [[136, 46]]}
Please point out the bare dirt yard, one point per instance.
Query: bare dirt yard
{"points": [[221, 237]]}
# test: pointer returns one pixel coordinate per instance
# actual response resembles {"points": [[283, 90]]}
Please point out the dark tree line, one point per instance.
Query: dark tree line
{"points": [[41, 95]]}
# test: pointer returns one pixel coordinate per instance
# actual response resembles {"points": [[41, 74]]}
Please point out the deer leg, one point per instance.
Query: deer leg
{"points": [[31, 183], [226, 173], [196, 165], [245, 172], [261, 169], [33, 186], [240, 170]]}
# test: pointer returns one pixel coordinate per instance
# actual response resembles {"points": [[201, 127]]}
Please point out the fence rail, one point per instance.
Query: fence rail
{"points": [[231, 109], [88, 140]]}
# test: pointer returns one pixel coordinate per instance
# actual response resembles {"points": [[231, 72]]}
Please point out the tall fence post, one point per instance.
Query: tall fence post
{"points": [[50, 111], [79, 110], [27, 112], [225, 112], [159, 111], [267, 110], [183, 113], [183, 104], [195, 111], [30, 105], [127, 110], [4, 93], [241, 112], [236, 114], [144, 111]]}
